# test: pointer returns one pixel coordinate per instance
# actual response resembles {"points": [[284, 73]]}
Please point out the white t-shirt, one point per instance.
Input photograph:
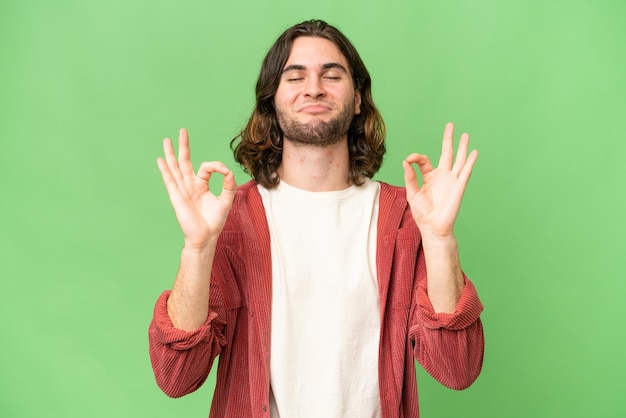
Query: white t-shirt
{"points": [[325, 310]]}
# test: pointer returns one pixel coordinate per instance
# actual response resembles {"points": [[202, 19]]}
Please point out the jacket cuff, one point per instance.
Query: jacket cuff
{"points": [[179, 339], [467, 311]]}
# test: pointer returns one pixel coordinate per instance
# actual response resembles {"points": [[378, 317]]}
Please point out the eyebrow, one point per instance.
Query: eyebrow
{"points": [[297, 67]]}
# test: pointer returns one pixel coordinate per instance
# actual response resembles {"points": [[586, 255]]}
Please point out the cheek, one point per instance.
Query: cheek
{"points": [[279, 100], [284, 96]]}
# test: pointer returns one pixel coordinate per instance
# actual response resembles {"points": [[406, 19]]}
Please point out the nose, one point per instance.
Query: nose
{"points": [[314, 88]]}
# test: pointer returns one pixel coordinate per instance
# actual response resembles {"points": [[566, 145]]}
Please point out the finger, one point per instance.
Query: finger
{"points": [[461, 154], [447, 147], [184, 156], [410, 179], [170, 159], [229, 188], [422, 161], [466, 172], [208, 168], [170, 183]]}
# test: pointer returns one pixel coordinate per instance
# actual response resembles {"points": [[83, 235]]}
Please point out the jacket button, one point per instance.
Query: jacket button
{"points": [[264, 408]]}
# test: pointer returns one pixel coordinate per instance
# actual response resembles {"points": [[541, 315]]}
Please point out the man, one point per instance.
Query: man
{"points": [[316, 285]]}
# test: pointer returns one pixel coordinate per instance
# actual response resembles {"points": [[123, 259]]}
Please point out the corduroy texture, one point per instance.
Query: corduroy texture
{"points": [[449, 346]]}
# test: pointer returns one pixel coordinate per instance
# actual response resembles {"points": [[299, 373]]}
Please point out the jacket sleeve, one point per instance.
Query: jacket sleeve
{"points": [[449, 346], [181, 360]]}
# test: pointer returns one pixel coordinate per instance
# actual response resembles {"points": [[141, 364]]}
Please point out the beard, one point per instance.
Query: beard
{"points": [[316, 132]]}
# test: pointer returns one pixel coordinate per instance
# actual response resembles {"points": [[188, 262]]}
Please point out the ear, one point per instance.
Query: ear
{"points": [[357, 102]]}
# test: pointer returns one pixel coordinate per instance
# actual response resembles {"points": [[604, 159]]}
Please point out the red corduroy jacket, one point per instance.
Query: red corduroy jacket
{"points": [[448, 346]]}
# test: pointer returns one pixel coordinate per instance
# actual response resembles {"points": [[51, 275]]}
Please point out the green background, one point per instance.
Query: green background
{"points": [[88, 239]]}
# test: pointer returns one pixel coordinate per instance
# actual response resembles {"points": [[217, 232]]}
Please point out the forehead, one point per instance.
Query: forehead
{"points": [[314, 52]]}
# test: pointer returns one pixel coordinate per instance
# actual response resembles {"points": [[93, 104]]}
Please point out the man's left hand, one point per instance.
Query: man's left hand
{"points": [[435, 205]]}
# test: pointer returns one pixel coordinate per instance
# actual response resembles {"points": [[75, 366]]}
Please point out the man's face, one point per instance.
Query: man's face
{"points": [[316, 101]]}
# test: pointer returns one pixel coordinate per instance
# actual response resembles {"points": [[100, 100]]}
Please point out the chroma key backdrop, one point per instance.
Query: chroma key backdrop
{"points": [[88, 239]]}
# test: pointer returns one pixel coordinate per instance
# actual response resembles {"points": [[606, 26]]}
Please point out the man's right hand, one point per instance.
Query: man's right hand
{"points": [[201, 214]]}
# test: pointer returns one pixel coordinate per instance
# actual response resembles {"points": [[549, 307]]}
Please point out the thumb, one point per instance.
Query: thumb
{"points": [[410, 179], [229, 188]]}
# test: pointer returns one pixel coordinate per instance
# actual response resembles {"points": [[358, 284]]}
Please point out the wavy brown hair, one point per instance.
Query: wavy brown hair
{"points": [[260, 149]]}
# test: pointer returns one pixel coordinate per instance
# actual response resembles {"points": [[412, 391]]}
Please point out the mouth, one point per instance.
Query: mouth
{"points": [[315, 108]]}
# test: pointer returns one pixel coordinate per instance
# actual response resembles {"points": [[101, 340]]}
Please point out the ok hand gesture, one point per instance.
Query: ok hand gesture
{"points": [[201, 214], [435, 205]]}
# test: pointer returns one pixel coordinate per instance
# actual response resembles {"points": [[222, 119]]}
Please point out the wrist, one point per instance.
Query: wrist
{"points": [[195, 247], [437, 239]]}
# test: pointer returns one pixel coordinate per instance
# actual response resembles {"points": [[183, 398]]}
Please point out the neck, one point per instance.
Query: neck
{"points": [[315, 169]]}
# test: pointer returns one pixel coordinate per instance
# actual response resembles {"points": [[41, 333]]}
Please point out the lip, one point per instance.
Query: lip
{"points": [[315, 108]]}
